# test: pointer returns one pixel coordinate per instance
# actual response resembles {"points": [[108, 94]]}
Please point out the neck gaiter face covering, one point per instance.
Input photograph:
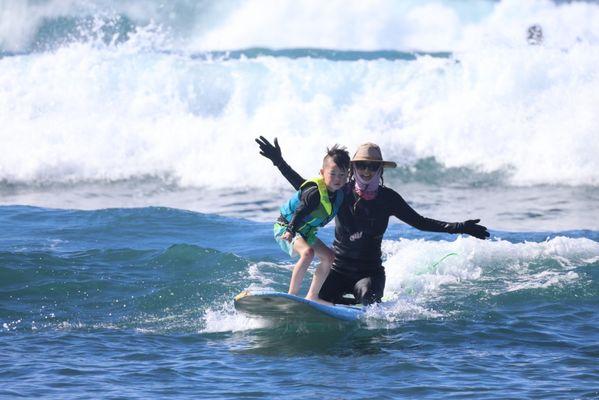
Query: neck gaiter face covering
{"points": [[367, 190]]}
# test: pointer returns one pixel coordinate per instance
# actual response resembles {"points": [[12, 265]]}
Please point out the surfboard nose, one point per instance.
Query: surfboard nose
{"points": [[241, 295]]}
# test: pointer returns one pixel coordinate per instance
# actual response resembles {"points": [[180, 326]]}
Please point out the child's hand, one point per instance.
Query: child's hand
{"points": [[273, 153], [287, 236]]}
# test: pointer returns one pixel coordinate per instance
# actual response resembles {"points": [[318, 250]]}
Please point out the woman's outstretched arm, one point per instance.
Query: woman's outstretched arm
{"points": [[403, 211]]}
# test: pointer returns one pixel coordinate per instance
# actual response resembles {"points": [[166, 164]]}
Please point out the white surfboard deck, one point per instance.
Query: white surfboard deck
{"points": [[279, 305]]}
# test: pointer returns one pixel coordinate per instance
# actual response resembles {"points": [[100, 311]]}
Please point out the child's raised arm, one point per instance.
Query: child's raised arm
{"points": [[273, 153]]}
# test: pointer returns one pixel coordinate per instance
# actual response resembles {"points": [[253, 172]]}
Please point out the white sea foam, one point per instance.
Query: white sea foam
{"points": [[226, 319], [396, 309], [89, 113], [256, 275], [338, 24], [387, 24], [430, 25], [94, 112], [412, 269], [544, 280]]}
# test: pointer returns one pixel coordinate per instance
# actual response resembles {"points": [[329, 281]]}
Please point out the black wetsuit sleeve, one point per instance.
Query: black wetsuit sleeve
{"points": [[289, 173], [402, 210], [309, 201]]}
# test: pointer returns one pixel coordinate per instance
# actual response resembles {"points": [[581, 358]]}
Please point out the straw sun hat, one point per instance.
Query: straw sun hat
{"points": [[370, 152]]}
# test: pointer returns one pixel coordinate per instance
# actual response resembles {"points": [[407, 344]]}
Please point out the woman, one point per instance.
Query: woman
{"points": [[361, 223]]}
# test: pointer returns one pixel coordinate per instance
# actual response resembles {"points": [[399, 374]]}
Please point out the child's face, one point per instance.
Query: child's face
{"points": [[334, 177]]}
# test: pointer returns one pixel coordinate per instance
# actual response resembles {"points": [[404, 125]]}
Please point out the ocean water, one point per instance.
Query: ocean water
{"points": [[134, 204]]}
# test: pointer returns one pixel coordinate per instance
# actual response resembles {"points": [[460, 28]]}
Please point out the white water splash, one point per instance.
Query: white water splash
{"points": [[84, 114], [430, 25], [543, 280], [226, 319], [410, 263]]}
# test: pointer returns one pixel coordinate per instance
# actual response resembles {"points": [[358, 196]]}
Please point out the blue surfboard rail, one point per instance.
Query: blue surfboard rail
{"points": [[244, 302]]}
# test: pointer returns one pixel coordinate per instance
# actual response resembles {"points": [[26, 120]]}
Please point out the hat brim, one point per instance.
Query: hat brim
{"points": [[386, 164]]}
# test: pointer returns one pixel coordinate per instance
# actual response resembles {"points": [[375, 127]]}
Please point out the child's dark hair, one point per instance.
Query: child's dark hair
{"points": [[339, 155]]}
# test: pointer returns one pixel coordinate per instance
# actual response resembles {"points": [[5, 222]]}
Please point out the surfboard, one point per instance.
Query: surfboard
{"points": [[277, 305]]}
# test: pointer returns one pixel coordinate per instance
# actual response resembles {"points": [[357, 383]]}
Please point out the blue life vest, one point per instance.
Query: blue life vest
{"points": [[321, 216]]}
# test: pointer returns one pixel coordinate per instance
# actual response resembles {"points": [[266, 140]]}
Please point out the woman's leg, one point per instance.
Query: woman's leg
{"points": [[335, 286]]}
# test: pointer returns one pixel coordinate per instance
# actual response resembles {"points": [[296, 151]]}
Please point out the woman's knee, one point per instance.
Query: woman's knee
{"points": [[327, 256]]}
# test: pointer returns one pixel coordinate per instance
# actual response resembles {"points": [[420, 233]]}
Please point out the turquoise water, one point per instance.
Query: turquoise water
{"points": [[137, 303], [134, 204]]}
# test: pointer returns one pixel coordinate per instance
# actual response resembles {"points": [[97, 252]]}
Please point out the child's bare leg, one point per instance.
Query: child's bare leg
{"points": [[306, 254], [325, 255]]}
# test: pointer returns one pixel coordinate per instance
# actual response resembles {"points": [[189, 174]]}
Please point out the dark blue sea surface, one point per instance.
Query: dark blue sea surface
{"points": [[134, 204], [137, 303]]}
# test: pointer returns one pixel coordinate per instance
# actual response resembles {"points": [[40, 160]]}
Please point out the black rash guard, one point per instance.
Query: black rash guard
{"points": [[360, 225]]}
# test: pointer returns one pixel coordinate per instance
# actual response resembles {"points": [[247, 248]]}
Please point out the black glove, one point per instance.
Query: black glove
{"points": [[472, 228], [273, 153]]}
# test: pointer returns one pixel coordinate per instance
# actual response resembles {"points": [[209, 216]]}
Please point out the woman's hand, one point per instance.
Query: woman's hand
{"points": [[472, 228]]}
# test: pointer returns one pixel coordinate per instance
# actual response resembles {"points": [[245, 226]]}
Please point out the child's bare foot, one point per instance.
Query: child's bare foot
{"points": [[317, 299]]}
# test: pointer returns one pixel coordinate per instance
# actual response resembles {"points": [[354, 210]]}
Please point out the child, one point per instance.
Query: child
{"points": [[313, 206]]}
